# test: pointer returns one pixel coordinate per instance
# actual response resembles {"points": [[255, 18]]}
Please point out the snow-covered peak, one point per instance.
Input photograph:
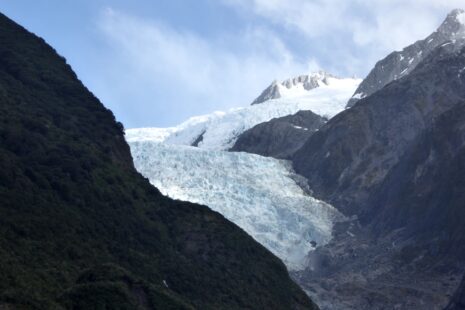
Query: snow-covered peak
{"points": [[459, 15], [399, 64], [454, 25], [308, 81], [220, 130], [294, 87]]}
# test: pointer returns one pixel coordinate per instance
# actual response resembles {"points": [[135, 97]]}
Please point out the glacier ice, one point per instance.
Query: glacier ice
{"points": [[220, 130], [257, 193]]}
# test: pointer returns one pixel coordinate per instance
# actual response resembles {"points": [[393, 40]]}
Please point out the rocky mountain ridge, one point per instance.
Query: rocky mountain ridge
{"points": [[399, 64], [394, 162], [291, 86]]}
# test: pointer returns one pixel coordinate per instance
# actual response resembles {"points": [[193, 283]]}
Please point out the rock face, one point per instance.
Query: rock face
{"points": [[394, 161], [280, 137], [302, 82], [458, 301], [399, 64], [354, 151], [409, 250], [425, 191], [81, 229]]}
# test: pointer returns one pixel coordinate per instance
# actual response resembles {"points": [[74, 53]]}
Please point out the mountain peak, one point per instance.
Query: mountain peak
{"points": [[457, 14], [308, 80], [399, 64], [305, 82], [454, 24]]}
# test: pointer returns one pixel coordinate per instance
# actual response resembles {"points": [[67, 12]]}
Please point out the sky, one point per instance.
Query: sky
{"points": [[157, 63]]}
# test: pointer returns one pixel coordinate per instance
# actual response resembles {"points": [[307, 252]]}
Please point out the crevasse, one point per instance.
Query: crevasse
{"points": [[257, 193]]}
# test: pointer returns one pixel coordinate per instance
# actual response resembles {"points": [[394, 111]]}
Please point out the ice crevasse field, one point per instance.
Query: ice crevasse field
{"points": [[259, 194]]}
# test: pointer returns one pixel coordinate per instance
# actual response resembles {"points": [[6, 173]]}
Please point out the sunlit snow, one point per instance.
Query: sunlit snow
{"points": [[220, 130], [257, 193]]}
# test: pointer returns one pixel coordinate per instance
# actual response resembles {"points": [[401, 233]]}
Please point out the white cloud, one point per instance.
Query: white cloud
{"points": [[193, 74], [374, 27], [178, 73], [368, 21]]}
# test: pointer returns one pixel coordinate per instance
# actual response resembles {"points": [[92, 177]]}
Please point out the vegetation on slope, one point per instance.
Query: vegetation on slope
{"points": [[81, 229]]}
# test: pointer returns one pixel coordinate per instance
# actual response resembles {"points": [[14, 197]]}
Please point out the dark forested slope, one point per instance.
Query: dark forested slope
{"points": [[81, 229]]}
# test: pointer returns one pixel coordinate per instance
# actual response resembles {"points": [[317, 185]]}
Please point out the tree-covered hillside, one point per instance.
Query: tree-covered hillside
{"points": [[81, 229]]}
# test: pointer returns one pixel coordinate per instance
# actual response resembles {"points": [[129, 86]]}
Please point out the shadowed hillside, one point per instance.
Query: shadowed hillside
{"points": [[81, 229]]}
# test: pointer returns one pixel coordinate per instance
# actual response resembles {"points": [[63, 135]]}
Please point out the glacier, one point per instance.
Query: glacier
{"points": [[220, 130], [259, 194]]}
